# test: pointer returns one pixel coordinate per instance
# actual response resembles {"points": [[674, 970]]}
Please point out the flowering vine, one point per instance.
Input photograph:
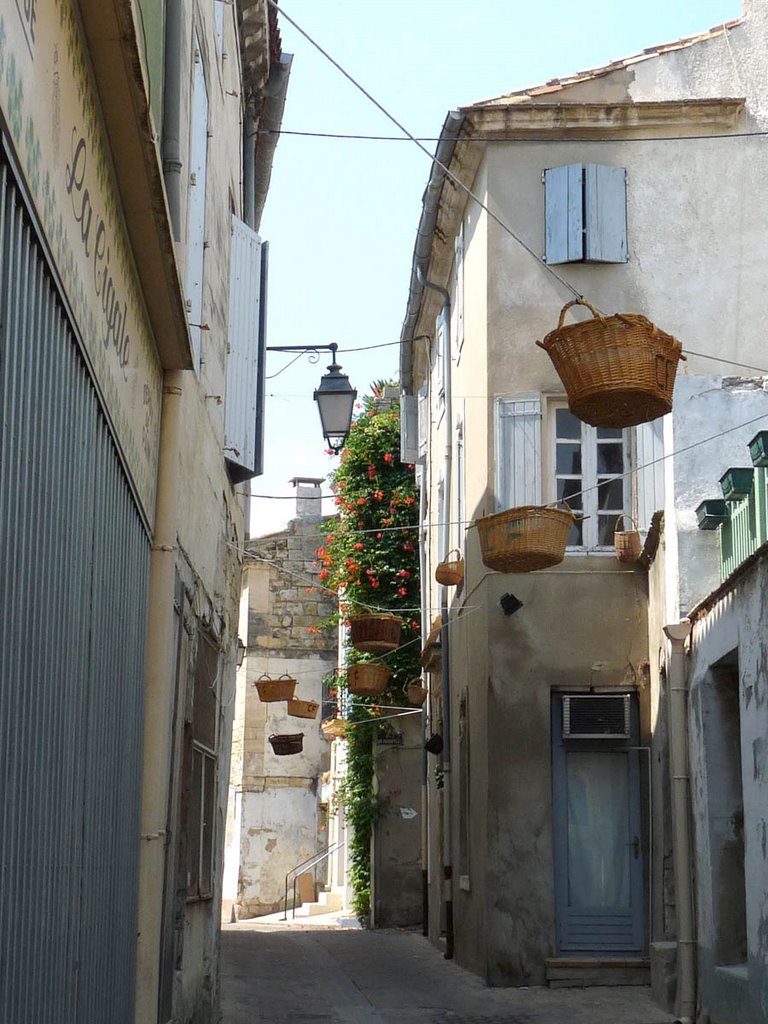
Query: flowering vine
{"points": [[369, 557]]}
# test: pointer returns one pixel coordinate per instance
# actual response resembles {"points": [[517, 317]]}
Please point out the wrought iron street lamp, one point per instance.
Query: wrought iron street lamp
{"points": [[335, 396]]}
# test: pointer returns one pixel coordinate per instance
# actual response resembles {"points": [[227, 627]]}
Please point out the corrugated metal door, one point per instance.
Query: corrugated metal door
{"points": [[74, 559]]}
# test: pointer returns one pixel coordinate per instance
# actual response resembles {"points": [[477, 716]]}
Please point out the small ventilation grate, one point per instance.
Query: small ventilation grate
{"points": [[596, 716]]}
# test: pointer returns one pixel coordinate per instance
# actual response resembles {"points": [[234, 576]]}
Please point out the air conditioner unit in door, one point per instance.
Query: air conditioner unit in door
{"points": [[596, 716]]}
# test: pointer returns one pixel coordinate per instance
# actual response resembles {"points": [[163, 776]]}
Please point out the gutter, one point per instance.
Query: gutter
{"points": [[261, 138], [430, 207]]}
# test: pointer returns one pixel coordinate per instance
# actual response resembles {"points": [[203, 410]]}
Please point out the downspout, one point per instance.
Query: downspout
{"points": [[159, 702], [682, 853], [171, 141], [424, 717], [444, 516]]}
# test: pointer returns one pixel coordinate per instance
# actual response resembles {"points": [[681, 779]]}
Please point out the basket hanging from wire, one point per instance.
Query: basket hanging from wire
{"points": [[617, 370], [375, 634], [334, 728], [287, 743], [450, 572], [627, 542], [417, 693], [367, 679], [275, 689], [526, 538], [302, 708]]}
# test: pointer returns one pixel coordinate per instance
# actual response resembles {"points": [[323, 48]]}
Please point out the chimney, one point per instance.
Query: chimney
{"points": [[308, 503]]}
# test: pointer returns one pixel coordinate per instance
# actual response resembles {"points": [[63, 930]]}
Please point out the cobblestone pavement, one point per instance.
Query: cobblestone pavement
{"points": [[275, 975]]}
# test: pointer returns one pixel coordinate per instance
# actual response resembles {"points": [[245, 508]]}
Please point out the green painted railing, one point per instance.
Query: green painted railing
{"points": [[746, 528]]}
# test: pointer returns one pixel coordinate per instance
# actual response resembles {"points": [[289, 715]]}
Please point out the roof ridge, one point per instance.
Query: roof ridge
{"points": [[649, 52]]}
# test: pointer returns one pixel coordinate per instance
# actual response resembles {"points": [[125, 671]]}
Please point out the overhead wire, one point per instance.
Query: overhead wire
{"points": [[353, 136]]}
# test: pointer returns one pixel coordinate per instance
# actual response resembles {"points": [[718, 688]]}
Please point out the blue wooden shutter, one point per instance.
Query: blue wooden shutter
{"points": [[564, 214], [649, 450], [518, 451], [243, 348], [605, 214]]}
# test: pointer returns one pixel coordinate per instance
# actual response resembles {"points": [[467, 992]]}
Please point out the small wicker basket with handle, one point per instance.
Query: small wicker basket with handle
{"points": [[627, 542], [451, 572]]}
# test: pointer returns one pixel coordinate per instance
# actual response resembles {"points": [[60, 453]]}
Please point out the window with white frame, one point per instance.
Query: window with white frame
{"points": [[544, 454], [590, 474]]}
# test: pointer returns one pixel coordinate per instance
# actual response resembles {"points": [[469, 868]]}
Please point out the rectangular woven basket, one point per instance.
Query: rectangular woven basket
{"points": [[302, 708], [287, 743], [275, 689]]}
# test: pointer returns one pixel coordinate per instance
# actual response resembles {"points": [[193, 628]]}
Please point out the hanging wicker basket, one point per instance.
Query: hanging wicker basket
{"points": [[417, 693], [627, 542], [334, 728], [367, 679], [275, 689], [524, 539], [287, 743], [451, 572], [375, 634], [617, 370], [302, 708]]}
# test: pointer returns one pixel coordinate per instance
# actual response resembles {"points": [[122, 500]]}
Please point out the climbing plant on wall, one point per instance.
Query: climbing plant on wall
{"points": [[370, 559]]}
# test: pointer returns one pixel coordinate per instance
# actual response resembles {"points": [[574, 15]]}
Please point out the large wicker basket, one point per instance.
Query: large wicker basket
{"points": [[617, 370], [302, 708], [375, 634], [524, 539], [275, 689], [287, 743], [367, 679]]}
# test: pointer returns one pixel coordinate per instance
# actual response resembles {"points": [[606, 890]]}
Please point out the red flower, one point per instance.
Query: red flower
{"points": [[323, 574], [389, 457], [357, 547], [402, 591], [374, 582], [312, 629], [404, 572], [371, 472], [410, 501], [308, 590], [361, 501], [378, 495], [379, 536]]}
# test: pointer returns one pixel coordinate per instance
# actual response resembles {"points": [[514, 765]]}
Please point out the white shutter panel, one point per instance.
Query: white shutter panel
{"points": [[518, 451], [563, 214], [243, 346], [458, 297], [423, 421], [605, 199], [409, 429], [649, 451]]}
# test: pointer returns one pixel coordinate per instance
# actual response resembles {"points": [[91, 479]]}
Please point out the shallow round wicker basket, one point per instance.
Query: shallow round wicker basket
{"points": [[287, 743], [524, 539], [302, 708], [451, 572], [334, 728], [617, 370], [375, 634], [275, 689], [367, 679]]}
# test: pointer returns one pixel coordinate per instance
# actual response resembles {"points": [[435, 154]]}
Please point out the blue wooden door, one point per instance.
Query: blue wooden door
{"points": [[599, 849]]}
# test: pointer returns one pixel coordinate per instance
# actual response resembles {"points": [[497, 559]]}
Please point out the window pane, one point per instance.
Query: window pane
{"points": [[609, 432], [206, 838], [193, 824], [610, 494], [570, 491], [610, 458], [569, 458], [606, 527], [575, 537], [567, 425]]}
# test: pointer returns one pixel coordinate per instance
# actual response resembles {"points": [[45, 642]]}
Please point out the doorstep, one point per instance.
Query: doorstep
{"points": [[580, 972]]}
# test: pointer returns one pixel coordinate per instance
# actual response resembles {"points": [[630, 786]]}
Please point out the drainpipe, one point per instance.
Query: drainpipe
{"points": [[444, 514], [171, 140], [682, 853], [425, 716], [159, 703]]}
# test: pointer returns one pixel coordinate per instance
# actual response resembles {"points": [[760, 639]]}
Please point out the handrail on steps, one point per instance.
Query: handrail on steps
{"points": [[310, 862]]}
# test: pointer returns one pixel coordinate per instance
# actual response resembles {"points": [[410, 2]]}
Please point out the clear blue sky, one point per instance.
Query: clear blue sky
{"points": [[341, 215]]}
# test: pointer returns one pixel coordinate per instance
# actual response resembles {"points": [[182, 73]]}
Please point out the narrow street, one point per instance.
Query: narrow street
{"points": [[272, 974]]}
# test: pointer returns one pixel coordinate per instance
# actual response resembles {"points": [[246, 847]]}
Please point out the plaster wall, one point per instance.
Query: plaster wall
{"points": [[732, 992], [396, 876]]}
